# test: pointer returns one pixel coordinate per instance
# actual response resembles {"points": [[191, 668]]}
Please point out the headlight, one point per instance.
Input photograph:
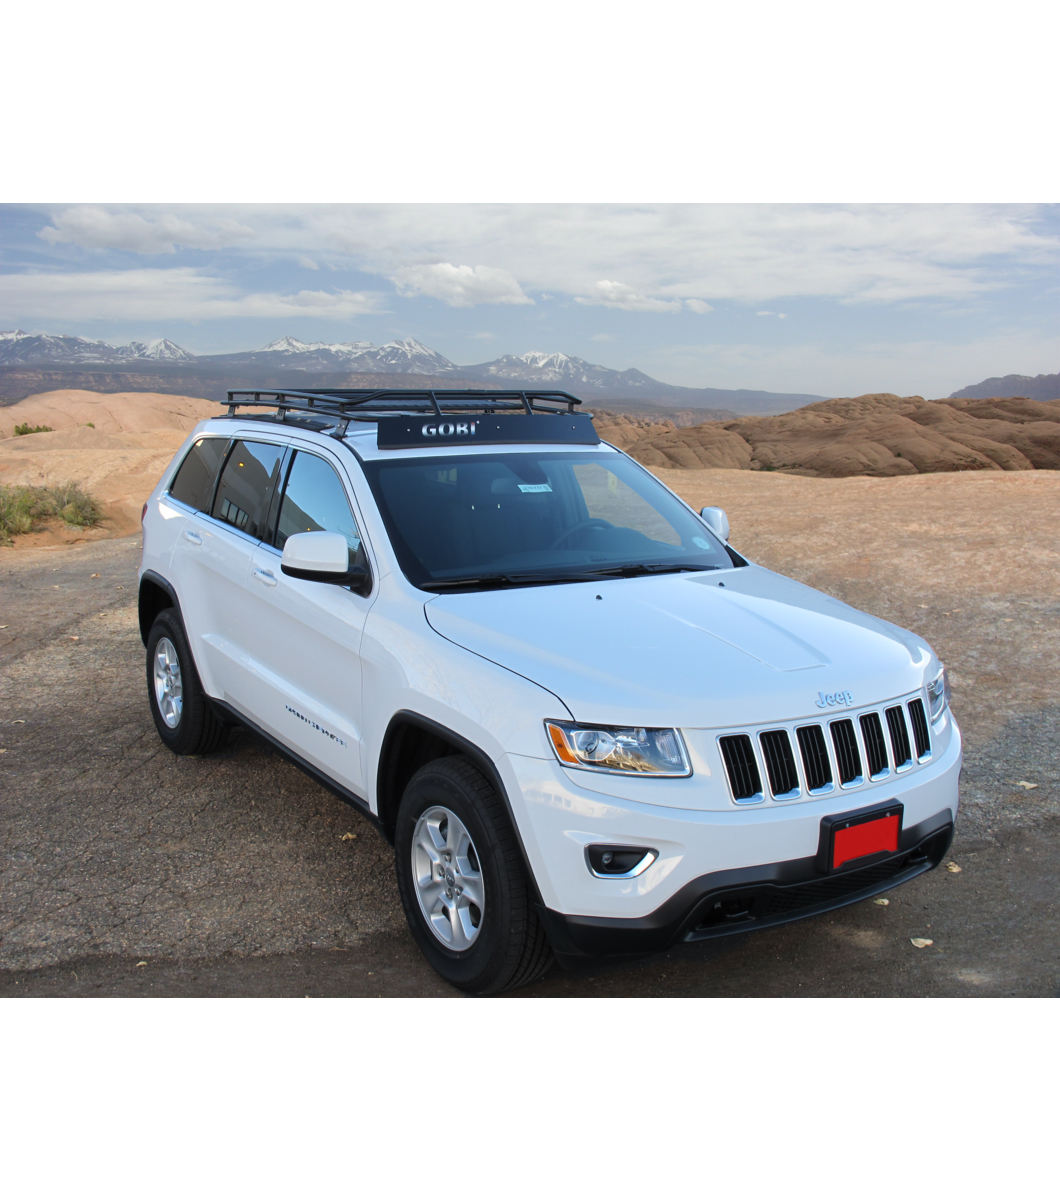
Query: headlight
{"points": [[938, 690], [619, 750]]}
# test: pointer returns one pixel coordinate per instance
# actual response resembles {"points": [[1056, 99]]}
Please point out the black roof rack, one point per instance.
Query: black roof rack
{"points": [[388, 406], [369, 404]]}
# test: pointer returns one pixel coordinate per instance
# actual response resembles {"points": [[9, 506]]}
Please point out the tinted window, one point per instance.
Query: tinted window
{"points": [[247, 486], [194, 481], [315, 500], [535, 511]]}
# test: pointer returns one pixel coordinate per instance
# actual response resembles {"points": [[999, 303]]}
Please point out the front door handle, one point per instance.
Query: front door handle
{"points": [[265, 577], [194, 538]]}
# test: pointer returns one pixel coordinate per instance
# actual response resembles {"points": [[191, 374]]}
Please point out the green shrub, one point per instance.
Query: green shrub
{"points": [[22, 430], [21, 506]]}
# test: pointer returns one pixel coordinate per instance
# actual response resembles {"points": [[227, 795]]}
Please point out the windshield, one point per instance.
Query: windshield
{"points": [[497, 520]]}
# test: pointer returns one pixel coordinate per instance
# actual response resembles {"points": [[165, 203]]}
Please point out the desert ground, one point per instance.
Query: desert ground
{"points": [[128, 871]]}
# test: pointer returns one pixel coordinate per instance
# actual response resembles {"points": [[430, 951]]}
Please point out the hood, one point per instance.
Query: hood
{"points": [[686, 650]]}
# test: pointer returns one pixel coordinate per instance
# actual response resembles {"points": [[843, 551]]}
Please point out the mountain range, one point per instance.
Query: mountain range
{"points": [[1034, 387], [31, 362], [285, 361]]}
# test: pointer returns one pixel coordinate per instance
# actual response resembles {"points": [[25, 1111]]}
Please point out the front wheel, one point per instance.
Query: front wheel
{"points": [[182, 716], [462, 882]]}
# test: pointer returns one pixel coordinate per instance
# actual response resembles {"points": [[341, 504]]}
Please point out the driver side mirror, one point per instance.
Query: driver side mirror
{"points": [[717, 520], [322, 558]]}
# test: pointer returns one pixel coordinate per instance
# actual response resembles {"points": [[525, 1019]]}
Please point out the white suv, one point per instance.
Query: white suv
{"points": [[584, 721]]}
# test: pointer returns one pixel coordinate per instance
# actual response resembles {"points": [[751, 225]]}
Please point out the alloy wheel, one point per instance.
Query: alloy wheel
{"points": [[448, 878]]}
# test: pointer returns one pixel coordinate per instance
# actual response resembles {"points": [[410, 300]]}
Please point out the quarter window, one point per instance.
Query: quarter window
{"points": [[195, 479], [315, 500], [247, 486]]}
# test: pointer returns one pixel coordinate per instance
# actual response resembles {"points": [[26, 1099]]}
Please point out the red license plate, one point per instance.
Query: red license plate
{"points": [[849, 837], [856, 841]]}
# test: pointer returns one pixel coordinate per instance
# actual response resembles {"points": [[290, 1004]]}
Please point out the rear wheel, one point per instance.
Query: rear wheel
{"points": [[462, 882], [182, 715]]}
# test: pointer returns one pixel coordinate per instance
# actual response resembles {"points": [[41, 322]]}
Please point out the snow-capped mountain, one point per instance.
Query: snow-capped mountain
{"points": [[564, 371], [161, 350], [18, 347], [288, 361], [404, 357]]}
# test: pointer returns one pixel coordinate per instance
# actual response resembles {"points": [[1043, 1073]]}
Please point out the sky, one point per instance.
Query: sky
{"points": [[826, 299]]}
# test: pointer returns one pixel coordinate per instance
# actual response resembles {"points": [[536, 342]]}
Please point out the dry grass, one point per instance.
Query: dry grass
{"points": [[23, 506]]}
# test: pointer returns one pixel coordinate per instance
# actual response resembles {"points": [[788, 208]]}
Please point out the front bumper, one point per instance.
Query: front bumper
{"points": [[749, 898], [705, 855]]}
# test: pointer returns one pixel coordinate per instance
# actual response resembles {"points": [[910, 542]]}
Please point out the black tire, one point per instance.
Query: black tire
{"points": [[197, 730], [511, 949]]}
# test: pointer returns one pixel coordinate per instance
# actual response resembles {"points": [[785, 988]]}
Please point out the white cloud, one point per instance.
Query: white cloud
{"points": [[180, 293], [109, 229], [309, 263], [751, 253], [460, 287], [612, 294], [699, 306], [765, 313]]}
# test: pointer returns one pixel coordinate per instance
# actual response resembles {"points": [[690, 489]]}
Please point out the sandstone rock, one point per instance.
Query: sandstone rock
{"points": [[880, 434]]}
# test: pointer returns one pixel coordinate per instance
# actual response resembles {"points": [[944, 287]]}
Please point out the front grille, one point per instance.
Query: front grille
{"points": [[846, 751], [875, 747], [780, 762], [814, 757], [899, 736], [739, 756], [920, 728]]}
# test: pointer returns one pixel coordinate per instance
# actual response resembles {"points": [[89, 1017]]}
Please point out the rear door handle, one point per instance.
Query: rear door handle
{"points": [[265, 577], [193, 537]]}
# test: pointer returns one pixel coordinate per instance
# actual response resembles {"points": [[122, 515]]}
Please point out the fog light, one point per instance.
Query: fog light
{"points": [[619, 862]]}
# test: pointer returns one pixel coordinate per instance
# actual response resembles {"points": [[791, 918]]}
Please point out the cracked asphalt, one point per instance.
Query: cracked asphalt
{"points": [[125, 870]]}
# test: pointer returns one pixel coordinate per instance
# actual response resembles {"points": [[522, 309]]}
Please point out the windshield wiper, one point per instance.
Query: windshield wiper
{"points": [[512, 580], [527, 580], [632, 569]]}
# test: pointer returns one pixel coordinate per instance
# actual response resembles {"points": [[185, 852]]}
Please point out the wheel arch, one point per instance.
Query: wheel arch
{"points": [[413, 740], [156, 594]]}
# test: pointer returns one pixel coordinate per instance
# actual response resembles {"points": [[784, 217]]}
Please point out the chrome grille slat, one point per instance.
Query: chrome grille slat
{"points": [[780, 764], [899, 737], [875, 746], [815, 764], [848, 757], [742, 767], [920, 729]]}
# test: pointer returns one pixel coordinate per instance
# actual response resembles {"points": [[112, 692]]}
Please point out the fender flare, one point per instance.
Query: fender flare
{"points": [[163, 585], [477, 756]]}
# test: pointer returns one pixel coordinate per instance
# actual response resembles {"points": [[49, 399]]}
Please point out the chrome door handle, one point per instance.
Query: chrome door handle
{"points": [[193, 537], [265, 577]]}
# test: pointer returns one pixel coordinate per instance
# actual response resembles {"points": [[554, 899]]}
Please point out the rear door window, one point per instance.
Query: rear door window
{"points": [[315, 500], [247, 486], [195, 479]]}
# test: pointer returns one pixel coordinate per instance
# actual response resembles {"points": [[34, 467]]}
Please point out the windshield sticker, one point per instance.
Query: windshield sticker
{"points": [[534, 487]]}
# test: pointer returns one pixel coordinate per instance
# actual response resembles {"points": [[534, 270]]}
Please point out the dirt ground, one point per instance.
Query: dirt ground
{"points": [[127, 871]]}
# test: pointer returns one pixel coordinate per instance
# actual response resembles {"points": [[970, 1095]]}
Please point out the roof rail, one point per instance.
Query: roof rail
{"points": [[369, 404]]}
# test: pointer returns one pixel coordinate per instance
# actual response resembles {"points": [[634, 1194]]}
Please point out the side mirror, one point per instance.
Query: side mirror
{"points": [[717, 520], [321, 558]]}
